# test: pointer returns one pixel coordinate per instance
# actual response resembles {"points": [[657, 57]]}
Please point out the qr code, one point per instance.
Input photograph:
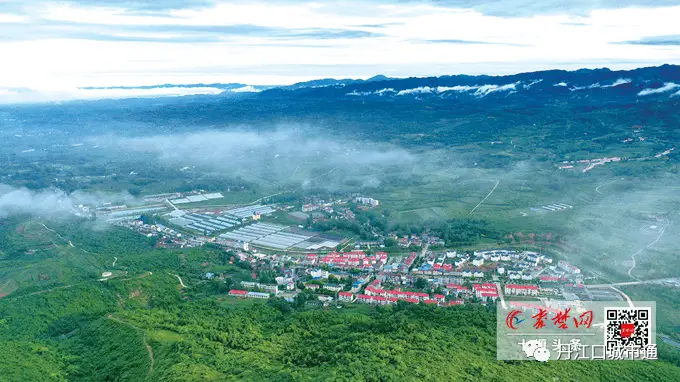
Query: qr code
{"points": [[627, 328]]}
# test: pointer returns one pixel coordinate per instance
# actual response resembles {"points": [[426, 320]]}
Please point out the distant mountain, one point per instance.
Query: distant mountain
{"points": [[332, 82], [585, 84], [230, 86]]}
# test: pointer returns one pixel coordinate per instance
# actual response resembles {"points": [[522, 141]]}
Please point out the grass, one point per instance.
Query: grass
{"points": [[164, 336], [230, 199], [231, 302], [7, 287]]}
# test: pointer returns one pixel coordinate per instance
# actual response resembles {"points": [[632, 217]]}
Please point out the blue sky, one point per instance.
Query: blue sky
{"points": [[59, 46]]}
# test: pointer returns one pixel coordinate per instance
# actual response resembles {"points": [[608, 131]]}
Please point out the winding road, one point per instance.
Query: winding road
{"points": [[597, 189], [180, 280], [489, 194], [640, 251]]}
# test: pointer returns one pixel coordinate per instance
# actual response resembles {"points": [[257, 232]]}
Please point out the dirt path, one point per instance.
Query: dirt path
{"points": [[43, 291], [114, 261], [56, 233], [487, 196], [630, 271], [146, 344], [597, 189], [180, 280]]}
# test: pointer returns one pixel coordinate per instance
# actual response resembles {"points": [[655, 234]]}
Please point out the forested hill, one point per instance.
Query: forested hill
{"points": [[166, 339], [586, 85]]}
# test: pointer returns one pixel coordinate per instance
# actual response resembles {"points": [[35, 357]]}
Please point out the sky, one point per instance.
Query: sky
{"points": [[57, 47]]}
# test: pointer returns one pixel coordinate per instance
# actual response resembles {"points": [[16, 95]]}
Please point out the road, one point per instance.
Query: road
{"points": [[633, 283], [630, 302], [114, 261], [500, 295], [180, 280], [146, 344], [425, 248], [489, 194], [56, 233], [597, 189], [640, 251]]}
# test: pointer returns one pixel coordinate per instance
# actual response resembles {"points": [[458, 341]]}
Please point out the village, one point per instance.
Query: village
{"points": [[329, 269], [446, 278]]}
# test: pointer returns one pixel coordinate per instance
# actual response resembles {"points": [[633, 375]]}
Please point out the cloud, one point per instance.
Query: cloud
{"points": [[53, 203], [380, 92], [520, 8], [561, 84], [618, 82], [670, 40], [668, 86], [170, 33], [530, 84], [246, 89], [82, 43], [418, 90], [470, 42], [14, 95], [284, 156]]}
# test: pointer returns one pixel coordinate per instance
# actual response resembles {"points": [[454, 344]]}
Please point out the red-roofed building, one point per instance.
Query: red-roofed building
{"points": [[533, 307], [238, 293], [455, 302], [412, 300], [456, 289], [364, 298], [430, 302], [380, 300], [480, 289], [392, 299], [371, 291], [346, 296], [439, 297], [489, 295]]}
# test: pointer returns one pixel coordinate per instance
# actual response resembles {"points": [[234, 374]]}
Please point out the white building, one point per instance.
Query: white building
{"points": [[367, 201], [568, 267]]}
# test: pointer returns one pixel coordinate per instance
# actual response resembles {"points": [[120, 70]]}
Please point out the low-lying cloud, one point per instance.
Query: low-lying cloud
{"points": [[278, 157], [23, 95], [668, 86], [478, 90], [52, 203], [618, 82]]}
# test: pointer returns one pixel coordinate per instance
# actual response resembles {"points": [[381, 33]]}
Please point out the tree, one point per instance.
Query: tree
{"points": [[421, 283], [391, 242]]}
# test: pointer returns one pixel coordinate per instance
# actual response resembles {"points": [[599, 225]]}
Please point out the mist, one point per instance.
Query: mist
{"points": [[51, 203], [303, 157]]}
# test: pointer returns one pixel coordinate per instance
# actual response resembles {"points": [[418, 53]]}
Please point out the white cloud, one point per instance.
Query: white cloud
{"points": [[246, 89], [530, 84], [514, 44], [561, 84], [668, 86], [10, 18], [384, 91], [479, 90], [419, 90], [620, 81], [52, 95]]}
